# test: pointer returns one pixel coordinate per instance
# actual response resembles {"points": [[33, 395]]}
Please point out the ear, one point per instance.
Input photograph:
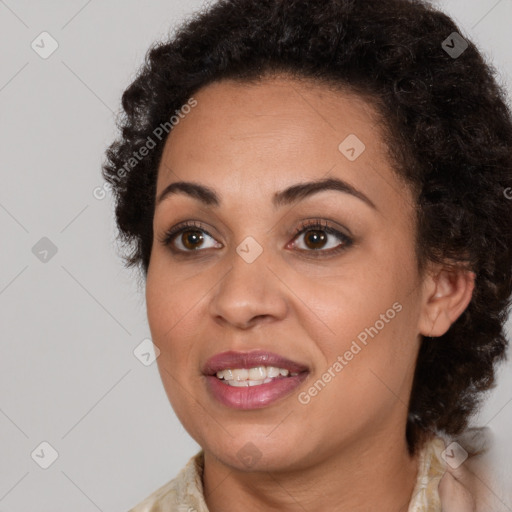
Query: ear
{"points": [[446, 294]]}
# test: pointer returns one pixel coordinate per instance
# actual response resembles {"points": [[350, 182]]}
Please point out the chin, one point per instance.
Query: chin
{"points": [[253, 450]]}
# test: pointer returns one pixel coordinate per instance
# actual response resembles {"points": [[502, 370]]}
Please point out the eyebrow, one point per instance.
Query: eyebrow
{"points": [[292, 194]]}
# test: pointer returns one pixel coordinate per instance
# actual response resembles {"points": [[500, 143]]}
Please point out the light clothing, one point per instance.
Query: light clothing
{"points": [[185, 492]]}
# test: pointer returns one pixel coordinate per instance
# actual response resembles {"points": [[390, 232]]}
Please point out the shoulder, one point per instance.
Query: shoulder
{"points": [[182, 494]]}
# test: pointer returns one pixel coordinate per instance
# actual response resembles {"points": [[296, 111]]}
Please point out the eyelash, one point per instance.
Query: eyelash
{"points": [[311, 225]]}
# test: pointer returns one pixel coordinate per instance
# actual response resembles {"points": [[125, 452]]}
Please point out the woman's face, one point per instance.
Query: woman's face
{"points": [[259, 270]]}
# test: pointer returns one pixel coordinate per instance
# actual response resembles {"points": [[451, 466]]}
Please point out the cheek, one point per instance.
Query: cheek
{"points": [[354, 300], [171, 313], [370, 313], [367, 373], [170, 298]]}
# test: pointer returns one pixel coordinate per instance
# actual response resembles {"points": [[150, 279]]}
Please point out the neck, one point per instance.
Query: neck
{"points": [[380, 475]]}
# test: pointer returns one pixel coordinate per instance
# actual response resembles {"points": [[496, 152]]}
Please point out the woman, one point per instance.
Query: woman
{"points": [[315, 193]]}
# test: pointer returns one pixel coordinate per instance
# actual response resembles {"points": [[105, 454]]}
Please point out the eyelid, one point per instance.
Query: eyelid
{"points": [[327, 224], [171, 233]]}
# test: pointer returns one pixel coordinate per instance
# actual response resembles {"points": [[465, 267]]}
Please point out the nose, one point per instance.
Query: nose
{"points": [[249, 294]]}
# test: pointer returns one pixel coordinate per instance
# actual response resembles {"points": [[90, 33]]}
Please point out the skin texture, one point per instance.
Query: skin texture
{"points": [[345, 449]]}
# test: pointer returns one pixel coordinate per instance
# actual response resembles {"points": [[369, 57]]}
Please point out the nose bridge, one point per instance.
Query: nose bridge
{"points": [[248, 289]]}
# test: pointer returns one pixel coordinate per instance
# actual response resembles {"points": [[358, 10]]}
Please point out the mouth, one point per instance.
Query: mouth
{"points": [[251, 380]]}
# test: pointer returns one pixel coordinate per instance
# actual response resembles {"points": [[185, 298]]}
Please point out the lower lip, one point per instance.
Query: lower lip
{"points": [[253, 397]]}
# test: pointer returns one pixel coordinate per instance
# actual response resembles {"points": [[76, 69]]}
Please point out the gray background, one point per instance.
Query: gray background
{"points": [[70, 324]]}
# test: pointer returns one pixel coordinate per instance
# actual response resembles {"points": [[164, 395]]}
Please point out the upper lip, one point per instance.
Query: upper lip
{"points": [[233, 359]]}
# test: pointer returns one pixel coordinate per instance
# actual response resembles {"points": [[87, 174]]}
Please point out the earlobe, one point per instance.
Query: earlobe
{"points": [[447, 294]]}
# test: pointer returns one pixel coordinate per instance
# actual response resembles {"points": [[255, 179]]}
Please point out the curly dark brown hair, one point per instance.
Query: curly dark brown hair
{"points": [[448, 129]]}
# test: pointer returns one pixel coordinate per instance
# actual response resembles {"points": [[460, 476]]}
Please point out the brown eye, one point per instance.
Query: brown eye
{"points": [[187, 237], [316, 238], [191, 239], [319, 239]]}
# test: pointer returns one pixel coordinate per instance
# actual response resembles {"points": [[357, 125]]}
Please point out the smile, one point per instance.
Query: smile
{"points": [[252, 380], [243, 377]]}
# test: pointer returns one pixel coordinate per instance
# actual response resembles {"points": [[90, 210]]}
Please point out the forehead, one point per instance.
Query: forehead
{"points": [[264, 136], [275, 110]]}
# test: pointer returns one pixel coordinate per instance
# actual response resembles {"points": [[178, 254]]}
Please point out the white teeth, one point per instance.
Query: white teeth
{"points": [[258, 373], [241, 377], [246, 383], [272, 371], [240, 374]]}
